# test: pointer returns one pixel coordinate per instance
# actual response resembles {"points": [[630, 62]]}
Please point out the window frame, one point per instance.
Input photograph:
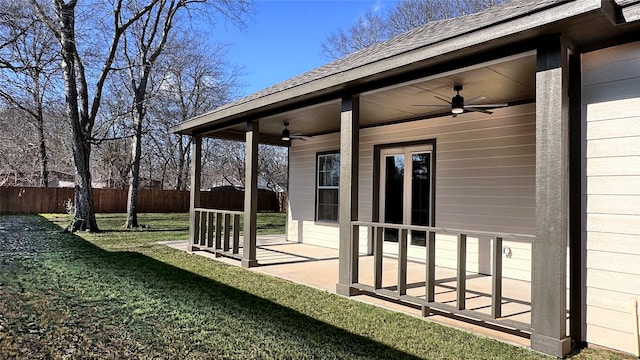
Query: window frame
{"points": [[318, 187]]}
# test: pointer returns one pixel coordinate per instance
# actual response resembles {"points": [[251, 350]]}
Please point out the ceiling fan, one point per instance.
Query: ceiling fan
{"points": [[459, 106], [286, 135]]}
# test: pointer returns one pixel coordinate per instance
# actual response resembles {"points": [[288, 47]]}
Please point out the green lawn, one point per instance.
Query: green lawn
{"points": [[118, 294]]}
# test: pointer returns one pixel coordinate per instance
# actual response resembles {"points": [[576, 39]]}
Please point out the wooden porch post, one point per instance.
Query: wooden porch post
{"points": [[577, 253], [549, 278], [348, 198], [250, 195], [194, 193]]}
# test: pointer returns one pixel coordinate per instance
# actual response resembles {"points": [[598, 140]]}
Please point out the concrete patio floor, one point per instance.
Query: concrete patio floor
{"points": [[317, 267]]}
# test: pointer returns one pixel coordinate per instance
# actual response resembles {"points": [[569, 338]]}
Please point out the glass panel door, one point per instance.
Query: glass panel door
{"points": [[393, 193], [420, 195], [405, 191]]}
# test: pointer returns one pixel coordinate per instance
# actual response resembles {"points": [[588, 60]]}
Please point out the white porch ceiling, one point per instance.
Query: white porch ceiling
{"points": [[510, 80]]}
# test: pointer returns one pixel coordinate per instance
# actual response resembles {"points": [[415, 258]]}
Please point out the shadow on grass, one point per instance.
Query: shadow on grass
{"points": [[243, 324]]}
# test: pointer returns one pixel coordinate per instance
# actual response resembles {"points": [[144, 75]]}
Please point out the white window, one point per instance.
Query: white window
{"points": [[327, 186]]}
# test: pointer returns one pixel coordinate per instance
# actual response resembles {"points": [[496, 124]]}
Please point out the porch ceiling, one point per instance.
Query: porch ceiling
{"points": [[510, 80]]}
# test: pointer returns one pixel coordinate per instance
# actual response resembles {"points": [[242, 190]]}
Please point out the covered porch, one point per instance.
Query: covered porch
{"points": [[501, 182], [511, 164]]}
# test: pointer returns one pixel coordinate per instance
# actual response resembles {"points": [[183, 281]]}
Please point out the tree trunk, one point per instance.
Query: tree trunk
{"points": [[84, 217], [76, 99], [180, 172], [44, 171], [134, 174], [183, 160]]}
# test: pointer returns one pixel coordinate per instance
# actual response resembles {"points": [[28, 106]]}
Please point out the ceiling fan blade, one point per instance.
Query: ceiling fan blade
{"points": [[433, 105], [477, 110], [474, 100], [300, 137], [443, 99], [488, 105]]}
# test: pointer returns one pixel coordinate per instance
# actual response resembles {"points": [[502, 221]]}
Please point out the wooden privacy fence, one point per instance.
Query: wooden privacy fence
{"points": [[54, 200]]}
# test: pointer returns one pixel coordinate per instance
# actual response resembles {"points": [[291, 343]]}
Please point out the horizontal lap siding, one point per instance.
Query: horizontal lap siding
{"points": [[302, 199], [611, 163], [485, 180]]}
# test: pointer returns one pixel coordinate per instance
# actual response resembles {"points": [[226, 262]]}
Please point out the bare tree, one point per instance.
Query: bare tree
{"points": [[273, 167], [14, 22], [19, 146], [410, 14], [82, 103], [16, 144], [223, 164], [26, 75], [369, 29], [84, 86], [196, 78], [375, 27], [113, 162], [142, 46]]}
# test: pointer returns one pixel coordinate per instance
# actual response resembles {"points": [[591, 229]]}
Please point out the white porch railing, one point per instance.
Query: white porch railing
{"points": [[376, 234], [217, 231]]}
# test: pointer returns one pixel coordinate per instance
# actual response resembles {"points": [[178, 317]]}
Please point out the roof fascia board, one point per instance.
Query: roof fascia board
{"points": [[511, 27]]}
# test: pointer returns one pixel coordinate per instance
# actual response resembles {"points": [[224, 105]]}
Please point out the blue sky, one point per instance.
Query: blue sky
{"points": [[284, 37]]}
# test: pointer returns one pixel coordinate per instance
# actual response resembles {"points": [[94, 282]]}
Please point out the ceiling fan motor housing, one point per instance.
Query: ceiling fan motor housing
{"points": [[285, 132], [457, 102]]}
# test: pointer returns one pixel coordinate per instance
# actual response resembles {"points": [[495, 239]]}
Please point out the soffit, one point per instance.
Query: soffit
{"points": [[510, 80]]}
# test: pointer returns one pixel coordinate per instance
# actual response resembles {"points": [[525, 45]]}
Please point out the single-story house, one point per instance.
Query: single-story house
{"points": [[504, 142]]}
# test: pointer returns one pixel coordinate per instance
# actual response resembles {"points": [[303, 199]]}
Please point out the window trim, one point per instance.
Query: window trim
{"points": [[317, 188]]}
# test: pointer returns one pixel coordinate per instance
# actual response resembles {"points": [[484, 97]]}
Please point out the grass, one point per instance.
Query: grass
{"points": [[118, 294]]}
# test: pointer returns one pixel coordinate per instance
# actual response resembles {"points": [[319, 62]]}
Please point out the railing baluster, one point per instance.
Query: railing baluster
{"points": [[225, 242], [210, 229], [462, 272], [430, 278], [196, 228], [377, 256], [236, 234], [203, 228], [402, 262], [218, 230], [355, 252], [370, 239], [496, 293]]}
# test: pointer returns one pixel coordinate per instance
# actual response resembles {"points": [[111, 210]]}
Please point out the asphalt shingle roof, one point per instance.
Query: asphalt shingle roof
{"points": [[419, 38]]}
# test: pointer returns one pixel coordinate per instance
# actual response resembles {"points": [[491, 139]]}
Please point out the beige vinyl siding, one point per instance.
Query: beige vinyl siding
{"points": [[485, 180], [611, 162], [302, 226]]}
